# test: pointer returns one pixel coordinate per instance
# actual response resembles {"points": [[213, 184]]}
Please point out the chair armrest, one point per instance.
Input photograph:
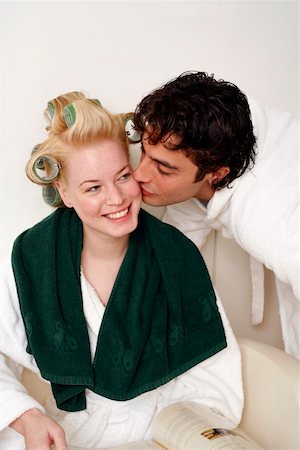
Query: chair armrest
{"points": [[39, 389], [271, 380]]}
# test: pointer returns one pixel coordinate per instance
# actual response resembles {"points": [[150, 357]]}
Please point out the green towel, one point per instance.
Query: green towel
{"points": [[161, 318]]}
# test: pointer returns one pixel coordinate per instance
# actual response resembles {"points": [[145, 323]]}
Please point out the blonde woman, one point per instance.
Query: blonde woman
{"points": [[112, 307]]}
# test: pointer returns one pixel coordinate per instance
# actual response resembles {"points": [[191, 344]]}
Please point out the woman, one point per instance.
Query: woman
{"points": [[104, 301]]}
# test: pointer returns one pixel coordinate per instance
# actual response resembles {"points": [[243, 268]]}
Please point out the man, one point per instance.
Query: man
{"points": [[202, 155]]}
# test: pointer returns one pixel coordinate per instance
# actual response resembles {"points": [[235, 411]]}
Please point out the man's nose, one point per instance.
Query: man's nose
{"points": [[142, 173]]}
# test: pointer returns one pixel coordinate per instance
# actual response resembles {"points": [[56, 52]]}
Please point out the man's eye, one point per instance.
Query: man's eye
{"points": [[162, 171]]}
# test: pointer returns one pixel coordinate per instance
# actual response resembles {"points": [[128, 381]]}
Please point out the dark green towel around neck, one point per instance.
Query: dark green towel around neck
{"points": [[161, 318]]}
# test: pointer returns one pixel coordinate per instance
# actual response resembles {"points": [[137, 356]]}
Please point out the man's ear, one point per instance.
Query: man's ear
{"points": [[218, 175], [63, 193]]}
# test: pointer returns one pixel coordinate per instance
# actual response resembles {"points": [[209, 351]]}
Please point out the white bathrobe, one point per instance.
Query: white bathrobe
{"points": [[261, 212], [216, 382]]}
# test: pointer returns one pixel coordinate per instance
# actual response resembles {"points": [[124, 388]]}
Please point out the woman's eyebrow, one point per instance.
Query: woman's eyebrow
{"points": [[98, 180]]}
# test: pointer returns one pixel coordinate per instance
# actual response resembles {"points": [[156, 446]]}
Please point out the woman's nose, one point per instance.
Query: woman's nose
{"points": [[115, 196]]}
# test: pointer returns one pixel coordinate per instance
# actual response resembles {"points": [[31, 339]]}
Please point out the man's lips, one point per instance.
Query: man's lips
{"points": [[146, 193]]}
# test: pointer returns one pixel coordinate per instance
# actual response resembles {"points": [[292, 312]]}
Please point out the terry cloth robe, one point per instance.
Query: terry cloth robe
{"points": [[215, 382], [161, 318], [261, 212]]}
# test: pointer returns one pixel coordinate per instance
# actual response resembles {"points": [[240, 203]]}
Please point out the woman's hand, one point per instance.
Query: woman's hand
{"points": [[39, 431]]}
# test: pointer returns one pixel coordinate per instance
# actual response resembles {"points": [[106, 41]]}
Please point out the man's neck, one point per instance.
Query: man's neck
{"points": [[205, 194]]}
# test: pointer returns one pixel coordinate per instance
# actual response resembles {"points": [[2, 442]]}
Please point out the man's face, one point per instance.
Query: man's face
{"points": [[168, 176]]}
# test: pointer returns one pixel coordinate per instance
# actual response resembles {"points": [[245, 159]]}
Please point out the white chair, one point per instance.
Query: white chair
{"points": [[271, 379]]}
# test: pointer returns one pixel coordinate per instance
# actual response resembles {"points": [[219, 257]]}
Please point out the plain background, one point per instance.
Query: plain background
{"points": [[118, 51]]}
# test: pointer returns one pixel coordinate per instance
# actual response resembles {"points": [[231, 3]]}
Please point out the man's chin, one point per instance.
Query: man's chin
{"points": [[154, 201]]}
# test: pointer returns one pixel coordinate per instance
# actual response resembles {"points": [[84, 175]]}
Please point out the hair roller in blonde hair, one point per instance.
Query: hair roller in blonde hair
{"points": [[95, 100], [35, 149], [69, 115], [45, 168], [51, 196], [51, 109], [70, 112], [132, 135], [49, 114]]}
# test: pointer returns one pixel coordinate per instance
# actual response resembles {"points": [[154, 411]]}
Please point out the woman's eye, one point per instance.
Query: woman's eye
{"points": [[94, 188], [125, 176]]}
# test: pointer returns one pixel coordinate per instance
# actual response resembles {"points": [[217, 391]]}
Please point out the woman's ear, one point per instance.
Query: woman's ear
{"points": [[60, 186]]}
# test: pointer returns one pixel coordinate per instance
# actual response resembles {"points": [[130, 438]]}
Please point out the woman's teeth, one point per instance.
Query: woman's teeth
{"points": [[118, 214]]}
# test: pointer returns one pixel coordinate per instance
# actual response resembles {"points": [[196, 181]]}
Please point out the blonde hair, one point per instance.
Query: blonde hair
{"points": [[75, 120]]}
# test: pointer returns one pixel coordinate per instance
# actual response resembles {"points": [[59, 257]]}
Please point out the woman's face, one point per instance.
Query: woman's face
{"points": [[99, 185]]}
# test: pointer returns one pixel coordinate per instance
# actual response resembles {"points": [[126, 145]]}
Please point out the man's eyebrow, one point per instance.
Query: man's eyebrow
{"points": [[165, 163], [159, 161]]}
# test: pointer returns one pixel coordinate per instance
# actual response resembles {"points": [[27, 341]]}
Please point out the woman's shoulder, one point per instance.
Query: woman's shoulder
{"points": [[46, 229], [165, 233], [47, 221]]}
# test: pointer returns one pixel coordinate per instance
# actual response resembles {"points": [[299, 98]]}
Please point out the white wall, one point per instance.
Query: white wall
{"points": [[118, 51]]}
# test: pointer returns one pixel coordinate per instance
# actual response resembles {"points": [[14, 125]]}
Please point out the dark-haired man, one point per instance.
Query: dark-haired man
{"points": [[224, 165]]}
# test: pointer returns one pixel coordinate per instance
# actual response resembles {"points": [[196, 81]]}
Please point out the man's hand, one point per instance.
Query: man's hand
{"points": [[39, 431]]}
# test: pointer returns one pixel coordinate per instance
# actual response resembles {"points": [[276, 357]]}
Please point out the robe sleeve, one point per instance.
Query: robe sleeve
{"points": [[217, 381], [13, 356]]}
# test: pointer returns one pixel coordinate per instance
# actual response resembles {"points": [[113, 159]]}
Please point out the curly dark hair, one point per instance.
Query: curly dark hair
{"points": [[211, 117]]}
